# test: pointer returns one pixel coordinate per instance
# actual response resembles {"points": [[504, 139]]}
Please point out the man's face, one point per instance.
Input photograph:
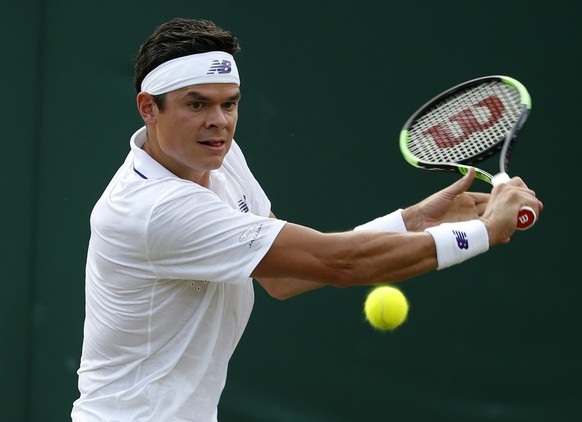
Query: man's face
{"points": [[194, 132]]}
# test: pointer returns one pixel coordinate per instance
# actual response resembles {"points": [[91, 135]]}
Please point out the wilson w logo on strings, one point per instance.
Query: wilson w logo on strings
{"points": [[466, 123]]}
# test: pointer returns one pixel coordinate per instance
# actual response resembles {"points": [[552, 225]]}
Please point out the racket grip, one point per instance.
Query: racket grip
{"points": [[526, 217]]}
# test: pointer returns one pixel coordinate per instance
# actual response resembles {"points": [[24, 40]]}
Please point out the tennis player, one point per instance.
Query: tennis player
{"points": [[183, 226]]}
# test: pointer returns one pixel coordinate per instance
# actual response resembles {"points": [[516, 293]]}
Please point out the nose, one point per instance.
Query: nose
{"points": [[216, 117]]}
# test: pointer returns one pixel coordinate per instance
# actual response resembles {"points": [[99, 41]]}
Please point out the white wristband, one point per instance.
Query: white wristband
{"points": [[457, 242], [392, 222]]}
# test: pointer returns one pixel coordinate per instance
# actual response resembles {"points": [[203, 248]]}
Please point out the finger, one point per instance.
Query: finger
{"points": [[480, 197], [461, 185], [518, 182], [481, 201]]}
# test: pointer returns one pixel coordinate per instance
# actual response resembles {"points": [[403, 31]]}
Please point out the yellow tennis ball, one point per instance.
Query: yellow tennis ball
{"points": [[386, 307]]}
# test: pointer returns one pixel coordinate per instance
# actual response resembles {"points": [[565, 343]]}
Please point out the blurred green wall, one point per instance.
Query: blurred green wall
{"points": [[326, 87]]}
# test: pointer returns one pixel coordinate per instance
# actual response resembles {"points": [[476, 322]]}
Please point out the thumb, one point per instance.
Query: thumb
{"points": [[461, 185]]}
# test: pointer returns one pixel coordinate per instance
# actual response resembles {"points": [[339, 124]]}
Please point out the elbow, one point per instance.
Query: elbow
{"points": [[280, 295], [277, 288], [277, 291]]}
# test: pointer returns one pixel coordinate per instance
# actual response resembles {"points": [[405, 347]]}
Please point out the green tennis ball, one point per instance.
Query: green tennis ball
{"points": [[386, 308]]}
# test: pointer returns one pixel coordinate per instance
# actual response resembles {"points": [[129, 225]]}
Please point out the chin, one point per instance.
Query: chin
{"points": [[215, 164]]}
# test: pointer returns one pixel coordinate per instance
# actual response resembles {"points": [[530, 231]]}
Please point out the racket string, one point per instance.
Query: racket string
{"points": [[471, 124]]}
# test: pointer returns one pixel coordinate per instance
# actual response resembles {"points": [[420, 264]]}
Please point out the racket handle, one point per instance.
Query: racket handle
{"points": [[526, 217]]}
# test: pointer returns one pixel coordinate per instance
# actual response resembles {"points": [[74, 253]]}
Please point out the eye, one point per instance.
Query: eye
{"points": [[196, 105], [231, 105]]}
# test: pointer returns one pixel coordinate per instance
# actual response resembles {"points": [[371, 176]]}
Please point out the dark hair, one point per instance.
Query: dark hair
{"points": [[181, 37]]}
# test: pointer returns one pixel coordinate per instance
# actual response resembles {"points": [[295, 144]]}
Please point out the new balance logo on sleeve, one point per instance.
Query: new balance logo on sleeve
{"points": [[462, 241], [220, 67]]}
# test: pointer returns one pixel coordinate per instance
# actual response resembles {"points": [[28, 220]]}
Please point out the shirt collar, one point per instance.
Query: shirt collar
{"points": [[144, 165]]}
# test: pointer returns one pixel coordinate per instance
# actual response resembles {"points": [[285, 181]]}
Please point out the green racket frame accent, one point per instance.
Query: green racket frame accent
{"points": [[523, 93]]}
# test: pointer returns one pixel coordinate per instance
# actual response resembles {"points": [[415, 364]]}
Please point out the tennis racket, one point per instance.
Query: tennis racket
{"points": [[466, 125]]}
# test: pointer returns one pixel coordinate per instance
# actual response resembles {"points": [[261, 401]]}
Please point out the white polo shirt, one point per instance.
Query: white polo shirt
{"points": [[168, 292]]}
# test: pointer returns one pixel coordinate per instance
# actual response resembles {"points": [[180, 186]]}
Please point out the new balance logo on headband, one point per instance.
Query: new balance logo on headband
{"points": [[220, 66]]}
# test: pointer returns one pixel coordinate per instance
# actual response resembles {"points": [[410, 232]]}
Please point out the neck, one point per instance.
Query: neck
{"points": [[200, 177]]}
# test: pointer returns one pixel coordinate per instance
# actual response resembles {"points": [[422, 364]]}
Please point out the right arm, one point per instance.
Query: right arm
{"points": [[364, 258], [349, 258]]}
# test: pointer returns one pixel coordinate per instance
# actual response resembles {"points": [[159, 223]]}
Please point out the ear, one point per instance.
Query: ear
{"points": [[147, 107]]}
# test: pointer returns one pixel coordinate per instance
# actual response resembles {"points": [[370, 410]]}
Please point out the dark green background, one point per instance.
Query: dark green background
{"points": [[326, 87]]}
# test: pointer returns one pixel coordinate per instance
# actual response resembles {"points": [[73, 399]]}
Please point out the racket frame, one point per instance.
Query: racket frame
{"points": [[464, 165]]}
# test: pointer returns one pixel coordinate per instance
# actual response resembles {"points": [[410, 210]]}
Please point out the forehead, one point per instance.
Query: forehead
{"points": [[217, 92]]}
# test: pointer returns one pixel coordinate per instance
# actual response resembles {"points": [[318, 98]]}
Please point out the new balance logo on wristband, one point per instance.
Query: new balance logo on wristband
{"points": [[452, 251], [220, 67], [462, 241]]}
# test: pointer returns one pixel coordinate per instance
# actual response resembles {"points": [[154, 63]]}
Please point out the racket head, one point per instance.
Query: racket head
{"points": [[467, 124]]}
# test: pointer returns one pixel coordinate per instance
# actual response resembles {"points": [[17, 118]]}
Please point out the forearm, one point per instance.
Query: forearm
{"points": [[284, 288], [343, 259], [388, 257]]}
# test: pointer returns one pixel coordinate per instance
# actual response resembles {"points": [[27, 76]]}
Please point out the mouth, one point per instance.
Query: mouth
{"points": [[214, 143]]}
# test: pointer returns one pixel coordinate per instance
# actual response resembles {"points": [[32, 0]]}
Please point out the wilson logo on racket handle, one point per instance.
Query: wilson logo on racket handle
{"points": [[526, 217]]}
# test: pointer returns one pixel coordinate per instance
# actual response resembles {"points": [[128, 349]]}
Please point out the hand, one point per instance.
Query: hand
{"points": [[507, 198], [451, 204]]}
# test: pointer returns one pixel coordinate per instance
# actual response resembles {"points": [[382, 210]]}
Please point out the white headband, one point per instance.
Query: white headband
{"points": [[215, 67]]}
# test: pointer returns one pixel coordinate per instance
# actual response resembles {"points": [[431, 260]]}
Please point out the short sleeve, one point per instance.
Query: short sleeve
{"points": [[196, 236]]}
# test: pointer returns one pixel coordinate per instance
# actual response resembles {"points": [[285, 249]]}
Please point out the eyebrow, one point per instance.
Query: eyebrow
{"points": [[198, 96]]}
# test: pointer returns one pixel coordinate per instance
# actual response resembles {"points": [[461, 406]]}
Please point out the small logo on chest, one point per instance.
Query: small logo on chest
{"points": [[242, 204]]}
